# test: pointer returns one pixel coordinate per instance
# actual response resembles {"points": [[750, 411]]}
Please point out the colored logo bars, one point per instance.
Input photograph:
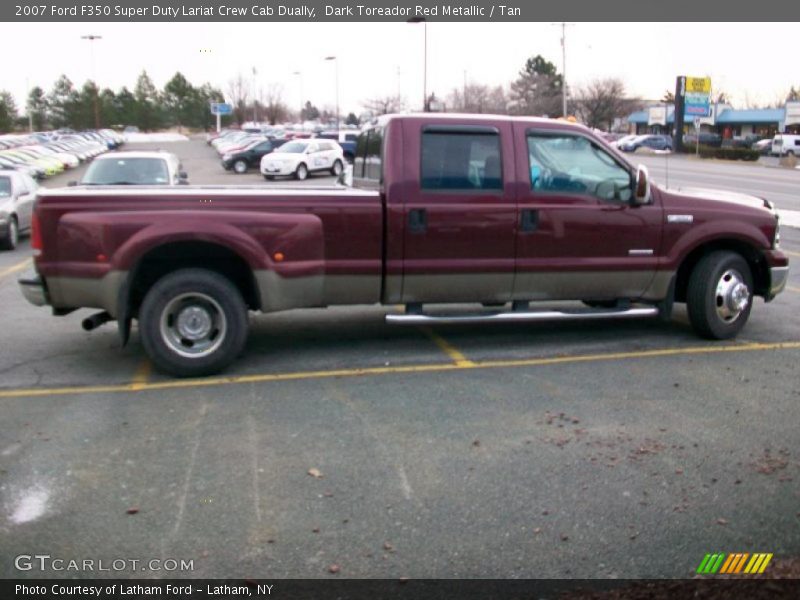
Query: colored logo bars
{"points": [[734, 564]]}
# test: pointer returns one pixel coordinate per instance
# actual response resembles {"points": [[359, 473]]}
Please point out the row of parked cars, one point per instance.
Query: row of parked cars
{"points": [[45, 154], [281, 153], [25, 159], [782, 144]]}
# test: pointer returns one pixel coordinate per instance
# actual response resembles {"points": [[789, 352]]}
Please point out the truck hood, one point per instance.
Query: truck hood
{"points": [[726, 197]]}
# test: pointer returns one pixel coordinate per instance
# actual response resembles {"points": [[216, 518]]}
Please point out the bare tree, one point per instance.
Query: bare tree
{"points": [[238, 93], [272, 101], [600, 102], [383, 105], [478, 98]]}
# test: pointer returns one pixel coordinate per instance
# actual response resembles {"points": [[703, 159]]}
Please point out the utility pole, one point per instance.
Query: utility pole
{"points": [[300, 79], [563, 67], [336, 65], [92, 38], [255, 99]]}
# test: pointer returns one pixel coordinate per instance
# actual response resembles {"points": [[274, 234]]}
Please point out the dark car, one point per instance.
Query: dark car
{"points": [[654, 142], [706, 139], [241, 160]]}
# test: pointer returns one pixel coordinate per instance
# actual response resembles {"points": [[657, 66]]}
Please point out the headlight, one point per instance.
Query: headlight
{"points": [[226, 157]]}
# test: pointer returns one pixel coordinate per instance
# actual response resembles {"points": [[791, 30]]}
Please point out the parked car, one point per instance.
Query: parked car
{"points": [[444, 209], [135, 168], [301, 157], [652, 141], [786, 144], [346, 139], [764, 147], [241, 160], [17, 195], [624, 140], [706, 139]]}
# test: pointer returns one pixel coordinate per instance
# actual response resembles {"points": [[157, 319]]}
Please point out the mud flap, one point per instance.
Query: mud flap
{"points": [[123, 312], [665, 306]]}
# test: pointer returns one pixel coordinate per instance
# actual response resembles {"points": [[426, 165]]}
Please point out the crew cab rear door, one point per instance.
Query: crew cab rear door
{"points": [[580, 235], [460, 211]]}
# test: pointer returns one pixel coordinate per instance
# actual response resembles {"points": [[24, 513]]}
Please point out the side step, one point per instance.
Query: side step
{"points": [[514, 316]]}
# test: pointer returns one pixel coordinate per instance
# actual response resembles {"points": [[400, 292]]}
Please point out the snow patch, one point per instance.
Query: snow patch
{"points": [[30, 506], [146, 138]]}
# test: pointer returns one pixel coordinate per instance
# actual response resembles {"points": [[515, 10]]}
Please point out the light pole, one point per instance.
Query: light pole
{"points": [[563, 68], [92, 38], [424, 61], [300, 80], [336, 64], [255, 99]]}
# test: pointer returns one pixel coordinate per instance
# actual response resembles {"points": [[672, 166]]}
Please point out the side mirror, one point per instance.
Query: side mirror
{"points": [[72, 184], [641, 192]]}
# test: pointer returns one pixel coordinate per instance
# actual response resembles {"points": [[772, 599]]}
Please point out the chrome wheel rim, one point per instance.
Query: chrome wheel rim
{"points": [[239, 166], [301, 172], [732, 296], [337, 167], [193, 325]]}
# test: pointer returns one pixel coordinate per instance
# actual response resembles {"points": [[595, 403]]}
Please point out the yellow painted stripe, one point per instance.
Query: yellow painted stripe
{"points": [[741, 562], [727, 563], [752, 566], [392, 370], [446, 347], [14, 268], [793, 288], [767, 558], [790, 253], [142, 375]]}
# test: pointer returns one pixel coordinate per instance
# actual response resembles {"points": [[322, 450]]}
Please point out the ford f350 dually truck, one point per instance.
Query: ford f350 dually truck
{"points": [[490, 210]]}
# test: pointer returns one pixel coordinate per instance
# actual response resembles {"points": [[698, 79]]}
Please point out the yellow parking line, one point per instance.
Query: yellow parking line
{"points": [[142, 375], [367, 371], [790, 253], [792, 288], [14, 268], [446, 347]]}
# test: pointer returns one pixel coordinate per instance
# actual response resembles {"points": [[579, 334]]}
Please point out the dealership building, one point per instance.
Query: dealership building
{"points": [[724, 120]]}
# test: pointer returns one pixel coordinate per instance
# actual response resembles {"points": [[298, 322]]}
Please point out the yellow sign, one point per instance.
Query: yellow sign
{"points": [[698, 85]]}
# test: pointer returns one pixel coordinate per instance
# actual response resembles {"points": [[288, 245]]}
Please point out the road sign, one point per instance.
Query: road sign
{"points": [[657, 115], [221, 108]]}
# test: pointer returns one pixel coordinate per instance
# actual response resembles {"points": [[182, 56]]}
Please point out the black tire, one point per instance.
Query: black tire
{"points": [[302, 172], [240, 166], [10, 237], [336, 168], [269, 177], [713, 295], [192, 288]]}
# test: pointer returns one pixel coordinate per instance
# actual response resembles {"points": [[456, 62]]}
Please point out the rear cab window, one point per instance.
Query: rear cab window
{"points": [[368, 161], [467, 159]]}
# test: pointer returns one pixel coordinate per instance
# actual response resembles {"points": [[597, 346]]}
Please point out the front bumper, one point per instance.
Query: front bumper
{"points": [[778, 276], [32, 287], [277, 170]]}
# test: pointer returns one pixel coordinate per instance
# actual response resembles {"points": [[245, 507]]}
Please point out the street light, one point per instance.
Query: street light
{"points": [[300, 80], [422, 20], [336, 64], [92, 38]]}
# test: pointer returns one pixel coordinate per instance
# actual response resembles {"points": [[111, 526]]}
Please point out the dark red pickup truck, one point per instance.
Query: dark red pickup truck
{"points": [[443, 209]]}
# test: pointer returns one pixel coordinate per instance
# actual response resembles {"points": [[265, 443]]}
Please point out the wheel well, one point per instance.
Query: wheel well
{"points": [[180, 255], [754, 258]]}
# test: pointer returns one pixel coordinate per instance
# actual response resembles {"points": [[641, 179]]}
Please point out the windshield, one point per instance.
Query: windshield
{"points": [[5, 187], [293, 147], [127, 171]]}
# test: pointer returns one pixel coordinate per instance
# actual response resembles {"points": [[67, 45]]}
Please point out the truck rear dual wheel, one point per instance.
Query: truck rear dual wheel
{"points": [[720, 295], [193, 322]]}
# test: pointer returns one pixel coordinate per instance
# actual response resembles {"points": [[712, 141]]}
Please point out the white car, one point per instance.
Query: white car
{"points": [[135, 168], [785, 144], [17, 194], [301, 157]]}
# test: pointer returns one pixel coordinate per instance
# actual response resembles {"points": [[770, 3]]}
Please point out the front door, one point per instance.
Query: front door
{"points": [[460, 212], [580, 235]]}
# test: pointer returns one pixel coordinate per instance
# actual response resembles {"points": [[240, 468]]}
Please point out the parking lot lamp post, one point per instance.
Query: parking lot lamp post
{"points": [[300, 81], [92, 38], [424, 61], [336, 64]]}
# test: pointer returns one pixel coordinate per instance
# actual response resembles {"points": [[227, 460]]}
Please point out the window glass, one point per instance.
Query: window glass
{"points": [[5, 187], [130, 171], [373, 160], [461, 161], [567, 163], [361, 153]]}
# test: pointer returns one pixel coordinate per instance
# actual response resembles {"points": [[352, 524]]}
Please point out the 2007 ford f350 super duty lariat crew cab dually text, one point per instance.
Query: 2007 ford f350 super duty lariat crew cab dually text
{"points": [[443, 209]]}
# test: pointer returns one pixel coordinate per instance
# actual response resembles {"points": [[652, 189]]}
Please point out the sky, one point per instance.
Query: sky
{"points": [[746, 60]]}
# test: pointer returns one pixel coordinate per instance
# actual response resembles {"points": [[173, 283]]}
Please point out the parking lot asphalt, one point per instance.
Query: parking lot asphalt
{"points": [[607, 449]]}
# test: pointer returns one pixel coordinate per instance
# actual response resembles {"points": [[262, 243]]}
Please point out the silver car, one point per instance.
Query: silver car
{"points": [[17, 194]]}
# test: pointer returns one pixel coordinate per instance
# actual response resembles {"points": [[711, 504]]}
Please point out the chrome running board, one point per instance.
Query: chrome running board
{"points": [[514, 316]]}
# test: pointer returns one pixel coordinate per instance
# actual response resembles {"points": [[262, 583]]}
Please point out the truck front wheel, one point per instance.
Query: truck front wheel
{"points": [[720, 295], [193, 322]]}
